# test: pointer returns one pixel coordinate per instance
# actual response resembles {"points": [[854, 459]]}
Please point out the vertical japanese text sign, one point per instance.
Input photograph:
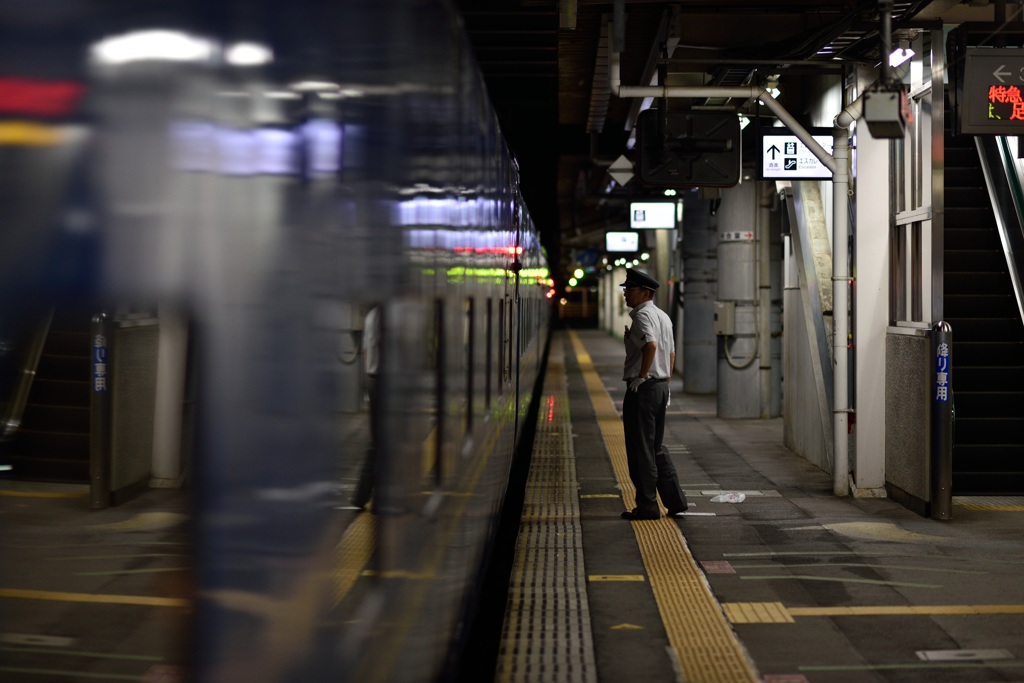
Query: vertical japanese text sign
{"points": [[99, 363], [942, 373]]}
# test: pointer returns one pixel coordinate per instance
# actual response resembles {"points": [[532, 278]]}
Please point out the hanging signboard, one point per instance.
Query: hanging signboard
{"points": [[784, 157], [992, 100]]}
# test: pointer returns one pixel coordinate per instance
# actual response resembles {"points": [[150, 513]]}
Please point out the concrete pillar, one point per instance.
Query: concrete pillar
{"points": [[700, 238], [871, 312], [171, 369]]}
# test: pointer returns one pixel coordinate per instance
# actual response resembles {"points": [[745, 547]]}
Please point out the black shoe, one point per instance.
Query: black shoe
{"points": [[637, 513]]}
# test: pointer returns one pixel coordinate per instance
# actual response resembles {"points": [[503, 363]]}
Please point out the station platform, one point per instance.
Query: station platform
{"points": [[792, 584], [93, 595]]}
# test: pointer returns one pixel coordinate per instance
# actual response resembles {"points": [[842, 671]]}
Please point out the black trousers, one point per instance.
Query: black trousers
{"points": [[650, 469]]}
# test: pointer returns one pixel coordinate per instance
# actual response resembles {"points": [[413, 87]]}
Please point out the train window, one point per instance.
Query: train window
{"points": [[439, 390], [508, 336], [470, 358], [501, 347], [490, 353]]}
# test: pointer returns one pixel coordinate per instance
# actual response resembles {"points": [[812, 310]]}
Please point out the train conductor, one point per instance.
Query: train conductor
{"points": [[650, 360]]}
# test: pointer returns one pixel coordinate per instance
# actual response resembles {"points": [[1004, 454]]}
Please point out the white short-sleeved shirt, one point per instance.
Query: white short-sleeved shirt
{"points": [[650, 324]]}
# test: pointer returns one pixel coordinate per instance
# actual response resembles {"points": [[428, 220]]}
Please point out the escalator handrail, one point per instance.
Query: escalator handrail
{"points": [[1009, 227], [26, 375]]}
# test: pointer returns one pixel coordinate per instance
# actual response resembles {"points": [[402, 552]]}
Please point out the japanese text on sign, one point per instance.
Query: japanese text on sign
{"points": [[99, 363], [942, 373], [1011, 105], [784, 155]]}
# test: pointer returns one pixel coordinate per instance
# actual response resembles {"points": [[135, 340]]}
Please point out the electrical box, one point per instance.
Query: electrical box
{"points": [[886, 111], [725, 318]]}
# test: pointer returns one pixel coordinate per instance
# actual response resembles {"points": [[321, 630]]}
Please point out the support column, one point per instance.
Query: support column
{"points": [[699, 273], [871, 314]]}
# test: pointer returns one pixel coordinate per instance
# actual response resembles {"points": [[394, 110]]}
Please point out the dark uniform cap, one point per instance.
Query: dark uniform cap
{"points": [[638, 278]]}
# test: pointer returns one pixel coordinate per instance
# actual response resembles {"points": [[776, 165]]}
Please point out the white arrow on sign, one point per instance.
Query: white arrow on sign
{"points": [[999, 73]]}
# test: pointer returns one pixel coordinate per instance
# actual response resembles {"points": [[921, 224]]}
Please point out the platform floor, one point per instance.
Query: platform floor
{"points": [[792, 584]]}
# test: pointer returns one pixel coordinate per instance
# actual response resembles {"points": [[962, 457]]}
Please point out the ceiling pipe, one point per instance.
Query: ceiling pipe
{"points": [[838, 164]]}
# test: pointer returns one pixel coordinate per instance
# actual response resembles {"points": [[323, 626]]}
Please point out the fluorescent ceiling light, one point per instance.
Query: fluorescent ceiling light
{"points": [[249, 54], [900, 55], [154, 45]]}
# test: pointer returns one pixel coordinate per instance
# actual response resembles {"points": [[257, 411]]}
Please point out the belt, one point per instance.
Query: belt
{"points": [[649, 379]]}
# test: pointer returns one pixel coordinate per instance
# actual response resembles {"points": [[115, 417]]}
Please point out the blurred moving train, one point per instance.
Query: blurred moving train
{"points": [[261, 174]]}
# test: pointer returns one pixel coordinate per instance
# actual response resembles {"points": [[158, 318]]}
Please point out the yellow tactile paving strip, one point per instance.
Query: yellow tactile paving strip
{"points": [[352, 554], [705, 644]]}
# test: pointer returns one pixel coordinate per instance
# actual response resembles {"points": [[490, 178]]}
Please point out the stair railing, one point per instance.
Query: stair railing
{"points": [[26, 376], [995, 153]]}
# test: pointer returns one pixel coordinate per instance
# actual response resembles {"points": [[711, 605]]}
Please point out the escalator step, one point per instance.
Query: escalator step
{"points": [[974, 378], [988, 281], [985, 329], [967, 194], [974, 261], [36, 469], [988, 404], [990, 353], [970, 217], [989, 431], [979, 305], [970, 237]]}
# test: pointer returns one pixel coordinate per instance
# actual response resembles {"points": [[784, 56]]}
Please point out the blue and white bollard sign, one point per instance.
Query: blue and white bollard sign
{"points": [[942, 373], [99, 364]]}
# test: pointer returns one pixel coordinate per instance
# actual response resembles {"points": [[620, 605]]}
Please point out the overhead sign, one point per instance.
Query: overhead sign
{"points": [[621, 241], [652, 215], [688, 148], [784, 157], [991, 100]]}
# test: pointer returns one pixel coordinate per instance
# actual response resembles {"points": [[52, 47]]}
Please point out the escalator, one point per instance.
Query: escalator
{"points": [[988, 335], [51, 442]]}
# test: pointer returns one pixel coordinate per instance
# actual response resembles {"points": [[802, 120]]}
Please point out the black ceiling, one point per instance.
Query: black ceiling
{"points": [[545, 65]]}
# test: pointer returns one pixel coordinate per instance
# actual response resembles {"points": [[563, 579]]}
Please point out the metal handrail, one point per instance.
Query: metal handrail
{"points": [[1009, 227], [30, 363]]}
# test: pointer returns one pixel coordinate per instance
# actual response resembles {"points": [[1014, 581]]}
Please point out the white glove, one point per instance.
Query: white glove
{"points": [[634, 384]]}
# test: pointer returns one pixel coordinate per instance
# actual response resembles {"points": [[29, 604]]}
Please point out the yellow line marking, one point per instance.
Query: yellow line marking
{"points": [[705, 644], [627, 627], [144, 600], [890, 610], [777, 613], [757, 613], [615, 577], [998, 508], [398, 574], [29, 134], [600, 495], [43, 494]]}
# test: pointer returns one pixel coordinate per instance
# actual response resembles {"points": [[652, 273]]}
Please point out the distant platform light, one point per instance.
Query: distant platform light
{"points": [[248, 54], [154, 45]]}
